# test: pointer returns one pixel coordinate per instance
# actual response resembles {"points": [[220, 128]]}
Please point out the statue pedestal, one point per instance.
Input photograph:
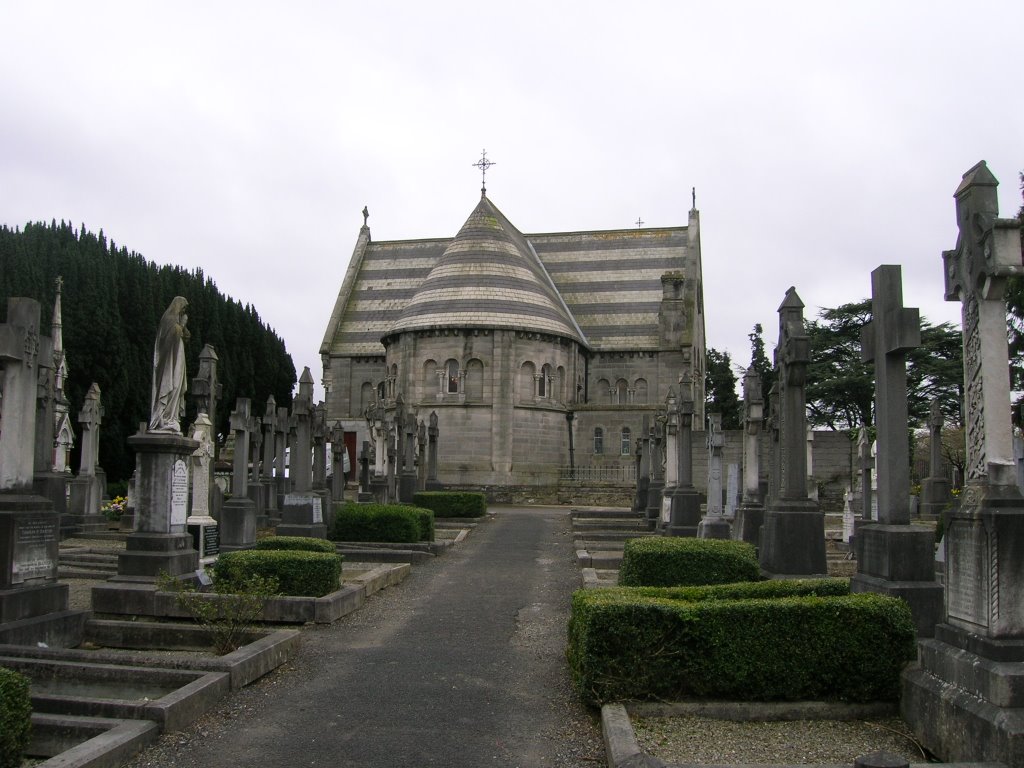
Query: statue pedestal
{"points": [[302, 515], [936, 495], [237, 524], [160, 541], [714, 527], [654, 493], [749, 519]]}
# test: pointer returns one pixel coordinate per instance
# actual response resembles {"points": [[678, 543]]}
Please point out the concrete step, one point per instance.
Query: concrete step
{"points": [[600, 560], [609, 524], [613, 512], [620, 536], [72, 572]]}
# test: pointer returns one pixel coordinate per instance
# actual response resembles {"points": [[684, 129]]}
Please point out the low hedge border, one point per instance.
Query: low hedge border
{"points": [[15, 717], [452, 503], [399, 523], [293, 543], [772, 589], [299, 573], [624, 645], [660, 561]]}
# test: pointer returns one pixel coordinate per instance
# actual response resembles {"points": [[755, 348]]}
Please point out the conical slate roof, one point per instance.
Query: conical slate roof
{"points": [[489, 276]]}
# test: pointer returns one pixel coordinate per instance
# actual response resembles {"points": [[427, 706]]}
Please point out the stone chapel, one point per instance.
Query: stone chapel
{"points": [[537, 351]]}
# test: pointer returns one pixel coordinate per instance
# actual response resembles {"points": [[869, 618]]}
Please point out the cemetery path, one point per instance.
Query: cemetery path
{"points": [[463, 664]]}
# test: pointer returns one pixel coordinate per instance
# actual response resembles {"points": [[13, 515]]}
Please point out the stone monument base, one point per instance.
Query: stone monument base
{"points": [[147, 555], [237, 524], [714, 527], [302, 515], [793, 540], [899, 560], [935, 497], [53, 486], [205, 535], [684, 516], [964, 699], [379, 489], [655, 491], [258, 497], [749, 519], [640, 500], [408, 484], [432, 485]]}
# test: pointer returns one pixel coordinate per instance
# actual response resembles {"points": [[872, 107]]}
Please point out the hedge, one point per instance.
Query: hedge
{"points": [[15, 717], [624, 645], [298, 573], [382, 522], [772, 589], [452, 503], [302, 543], [660, 561]]}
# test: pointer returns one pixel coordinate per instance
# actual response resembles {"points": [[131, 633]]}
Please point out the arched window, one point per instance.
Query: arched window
{"points": [[601, 391], [543, 388], [625, 441], [452, 369], [621, 389], [598, 440]]}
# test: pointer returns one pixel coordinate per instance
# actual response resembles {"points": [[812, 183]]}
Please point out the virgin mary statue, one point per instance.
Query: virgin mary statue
{"points": [[167, 405]]}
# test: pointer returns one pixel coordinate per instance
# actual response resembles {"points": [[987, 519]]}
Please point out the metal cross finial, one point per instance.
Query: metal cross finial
{"points": [[483, 164], [639, 222], [693, 197]]}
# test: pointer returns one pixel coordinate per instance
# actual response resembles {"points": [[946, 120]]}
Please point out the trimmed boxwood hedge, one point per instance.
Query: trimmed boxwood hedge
{"points": [[660, 561], [744, 590], [452, 503], [624, 644], [298, 573], [401, 523], [15, 717], [303, 543]]}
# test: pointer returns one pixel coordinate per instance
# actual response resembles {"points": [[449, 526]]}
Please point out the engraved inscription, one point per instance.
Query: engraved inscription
{"points": [[318, 510], [179, 493], [35, 545], [967, 589]]}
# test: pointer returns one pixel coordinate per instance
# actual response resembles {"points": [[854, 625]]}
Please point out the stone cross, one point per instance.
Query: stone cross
{"points": [[338, 462], [935, 423], [645, 448], [671, 439], [432, 434], [848, 518], [987, 253], [20, 350], [753, 415], [255, 449], [715, 443], [90, 417], [893, 331], [684, 472], [772, 424], [206, 388], [280, 452], [421, 455], [241, 422], [364, 468], [791, 358], [866, 463], [269, 445], [731, 489], [319, 437], [300, 468]]}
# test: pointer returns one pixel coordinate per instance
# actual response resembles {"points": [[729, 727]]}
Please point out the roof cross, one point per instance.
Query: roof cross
{"points": [[483, 164], [639, 222]]}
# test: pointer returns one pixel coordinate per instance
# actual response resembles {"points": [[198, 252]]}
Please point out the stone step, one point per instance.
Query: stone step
{"points": [[619, 536], [613, 512], [601, 560], [610, 524], [95, 572], [87, 558]]}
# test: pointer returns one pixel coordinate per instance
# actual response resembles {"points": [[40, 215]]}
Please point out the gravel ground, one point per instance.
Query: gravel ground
{"points": [[702, 740]]}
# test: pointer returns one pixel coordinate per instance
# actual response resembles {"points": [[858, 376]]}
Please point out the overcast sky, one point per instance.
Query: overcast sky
{"points": [[823, 138]]}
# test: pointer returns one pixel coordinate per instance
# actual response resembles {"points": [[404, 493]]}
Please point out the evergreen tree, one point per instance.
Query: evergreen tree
{"points": [[720, 389], [112, 301], [760, 363]]}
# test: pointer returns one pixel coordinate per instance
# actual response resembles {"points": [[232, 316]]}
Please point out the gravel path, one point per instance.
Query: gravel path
{"points": [[463, 664]]}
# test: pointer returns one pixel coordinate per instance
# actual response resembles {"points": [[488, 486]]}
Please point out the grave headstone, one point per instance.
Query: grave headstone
{"points": [[255, 488], [207, 391], [848, 516], [407, 481], [866, 464], [732, 490], [365, 494], [269, 446], [657, 484], [936, 489], [421, 456], [281, 479], [238, 515], [85, 492], [750, 515], [894, 557], [303, 510], [793, 534], [685, 515], [64, 434], [201, 525], [714, 525], [964, 700], [33, 606], [46, 481], [812, 484]]}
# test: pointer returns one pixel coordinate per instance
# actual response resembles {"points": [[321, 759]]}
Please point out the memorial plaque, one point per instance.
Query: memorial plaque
{"points": [[666, 510], [211, 540], [179, 493], [967, 595], [318, 510], [35, 549]]}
